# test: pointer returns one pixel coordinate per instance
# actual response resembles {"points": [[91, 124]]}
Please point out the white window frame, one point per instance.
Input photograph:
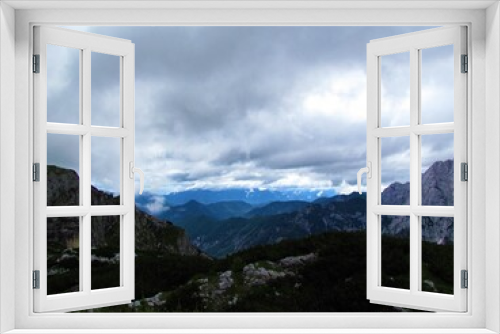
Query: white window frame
{"points": [[413, 43], [86, 44], [484, 36]]}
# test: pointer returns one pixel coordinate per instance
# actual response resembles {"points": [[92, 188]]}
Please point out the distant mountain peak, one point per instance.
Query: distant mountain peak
{"points": [[437, 187]]}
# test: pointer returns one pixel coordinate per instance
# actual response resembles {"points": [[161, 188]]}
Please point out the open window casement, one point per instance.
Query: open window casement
{"points": [[74, 219], [420, 292]]}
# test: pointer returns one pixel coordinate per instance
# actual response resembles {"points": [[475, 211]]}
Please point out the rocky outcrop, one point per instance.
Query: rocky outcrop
{"points": [[437, 190], [396, 194], [226, 288], [259, 275], [155, 301], [62, 186], [437, 184], [295, 261], [438, 230], [437, 187]]}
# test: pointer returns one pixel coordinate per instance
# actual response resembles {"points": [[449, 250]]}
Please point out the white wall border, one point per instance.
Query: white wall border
{"points": [[492, 164], [301, 322], [7, 166], [249, 4]]}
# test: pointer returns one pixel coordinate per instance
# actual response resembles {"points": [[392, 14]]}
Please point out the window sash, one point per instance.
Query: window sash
{"points": [[86, 297], [414, 298]]}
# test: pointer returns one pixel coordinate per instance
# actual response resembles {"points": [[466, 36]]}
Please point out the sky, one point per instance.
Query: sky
{"points": [[251, 107]]}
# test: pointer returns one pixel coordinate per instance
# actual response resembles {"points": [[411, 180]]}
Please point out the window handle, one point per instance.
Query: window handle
{"points": [[368, 171], [132, 171]]}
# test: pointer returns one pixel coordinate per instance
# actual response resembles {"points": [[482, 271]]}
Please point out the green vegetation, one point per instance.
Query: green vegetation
{"points": [[437, 268], [334, 282], [396, 262], [155, 274], [63, 267]]}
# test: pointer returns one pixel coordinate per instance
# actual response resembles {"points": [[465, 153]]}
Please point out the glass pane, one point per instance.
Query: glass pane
{"points": [[437, 254], [437, 169], [395, 90], [63, 181], [395, 170], [63, 84], [105, 157], [105, 90], [437, 84], [105, 252], [396, 251], [63, 256]]}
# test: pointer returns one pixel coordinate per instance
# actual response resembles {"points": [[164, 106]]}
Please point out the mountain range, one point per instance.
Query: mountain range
{"points": [[219, 228], [252, 196], [223, 228]]}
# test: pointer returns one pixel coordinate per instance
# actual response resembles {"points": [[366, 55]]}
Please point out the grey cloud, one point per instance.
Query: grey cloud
{"points": [[105, 163], [220, 98], [63, 151], [180, 177], [63, 100], [105, 77], [436, 147], [217, 74]]}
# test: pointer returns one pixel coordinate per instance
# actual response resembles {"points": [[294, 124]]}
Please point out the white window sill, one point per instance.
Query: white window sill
{"points": [[250, 331]]}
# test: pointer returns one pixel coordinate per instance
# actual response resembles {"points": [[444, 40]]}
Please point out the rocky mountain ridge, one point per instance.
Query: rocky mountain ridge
{"points": [[437, 190], [151, 234]]}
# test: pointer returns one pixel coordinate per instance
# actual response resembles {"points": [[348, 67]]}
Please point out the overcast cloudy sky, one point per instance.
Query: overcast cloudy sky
{"points": [[249, 106]]}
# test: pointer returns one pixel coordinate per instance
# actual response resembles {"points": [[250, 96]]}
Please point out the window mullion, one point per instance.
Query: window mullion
{"points": [[81, 231], [85, 177], [434, 129], [414, 169], [406, 210]]}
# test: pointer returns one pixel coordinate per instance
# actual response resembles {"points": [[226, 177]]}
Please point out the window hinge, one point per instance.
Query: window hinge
{"points": [[36, 172], [36, 63], [464, 172], [465, 279], [465, 64], [36, 279]]}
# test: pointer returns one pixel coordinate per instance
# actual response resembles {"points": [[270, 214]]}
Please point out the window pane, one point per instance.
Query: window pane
{"points": [[105, 157], [437, 254], [105, 252], [395, 170], [63, 256], [63, 181], [63, 84], [437, 169], [395, 90], [396, 251], [105, 90], [437, 93]]}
